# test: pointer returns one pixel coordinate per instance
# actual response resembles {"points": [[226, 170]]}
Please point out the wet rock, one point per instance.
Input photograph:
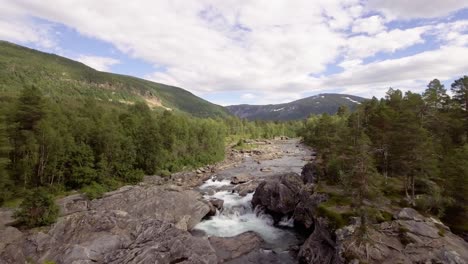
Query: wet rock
{"points": [[217, 203], [241, 178], [246, 188], [279, 195], [228, 248], [308, 174]]}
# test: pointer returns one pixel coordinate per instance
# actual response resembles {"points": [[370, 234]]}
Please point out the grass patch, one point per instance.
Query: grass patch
{"points": [[13, 203], [336, 217]]}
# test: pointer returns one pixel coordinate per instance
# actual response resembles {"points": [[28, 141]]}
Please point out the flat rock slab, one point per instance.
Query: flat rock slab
{"points": [[228, 248]]}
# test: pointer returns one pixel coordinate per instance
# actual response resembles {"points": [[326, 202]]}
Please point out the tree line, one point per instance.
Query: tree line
{"points": [[409, 147], [65, 144]]}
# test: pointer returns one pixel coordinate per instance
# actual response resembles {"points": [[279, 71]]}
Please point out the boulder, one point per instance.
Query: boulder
{"points": [[217, 203], [246, 188], [305, 211], [279, 195], [228, 248], [308, 173], [241, 178], [408, 214]]}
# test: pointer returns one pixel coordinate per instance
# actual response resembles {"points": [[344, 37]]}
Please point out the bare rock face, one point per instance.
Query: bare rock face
{"points": [[228, 248], [134, 224], [279, 195], [172, 205], [110, 237]]}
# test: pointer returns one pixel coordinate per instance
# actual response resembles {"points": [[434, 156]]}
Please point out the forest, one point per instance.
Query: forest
{"points": [[61, 144], [407, 147]]}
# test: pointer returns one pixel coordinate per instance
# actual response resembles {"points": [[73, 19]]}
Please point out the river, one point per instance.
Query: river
{"points": [[238, 216]]}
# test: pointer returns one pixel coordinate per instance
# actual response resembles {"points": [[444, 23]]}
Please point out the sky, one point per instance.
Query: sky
{"points": [[254, 51]]}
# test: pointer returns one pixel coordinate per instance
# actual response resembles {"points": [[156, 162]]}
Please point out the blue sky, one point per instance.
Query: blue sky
{"points": [[255, 52]]}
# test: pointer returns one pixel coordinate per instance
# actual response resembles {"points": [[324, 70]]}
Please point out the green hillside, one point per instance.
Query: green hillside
{"points": [[61, 77]]}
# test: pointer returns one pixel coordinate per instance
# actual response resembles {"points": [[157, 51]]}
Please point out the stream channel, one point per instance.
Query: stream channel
{"points": [[237, 215]]}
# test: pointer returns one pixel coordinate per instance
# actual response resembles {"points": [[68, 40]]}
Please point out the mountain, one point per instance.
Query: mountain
{"points": [[61, 77], [300, 109]]}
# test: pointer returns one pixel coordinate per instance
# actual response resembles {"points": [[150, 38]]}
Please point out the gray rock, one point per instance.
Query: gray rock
{"points": [[308, 174], [412, 238], [408, 214], [228, 248], [6, 217], [246, 188], [217, 203], [279, 195], [110, 237], [172, 205], [72, 204], [319, 247], [305, 211], [9, 235], [241, 178]]}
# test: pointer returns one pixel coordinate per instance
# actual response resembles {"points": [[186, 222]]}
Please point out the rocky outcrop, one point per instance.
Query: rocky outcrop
{"points": [[305, 212], [110, 237], [409, 238], [228, 248], [279, 195], [170, 204], [320, 247], [308, 174]]}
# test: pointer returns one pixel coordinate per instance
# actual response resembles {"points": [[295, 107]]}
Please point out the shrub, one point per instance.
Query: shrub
{"points": [[94, 190], [37, 209]]}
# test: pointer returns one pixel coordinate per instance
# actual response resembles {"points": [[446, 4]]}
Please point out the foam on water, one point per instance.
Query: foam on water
{"points": [[238, 217], [212, 183]]}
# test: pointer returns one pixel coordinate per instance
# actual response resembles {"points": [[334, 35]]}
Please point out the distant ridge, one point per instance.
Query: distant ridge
{"points": [[299, 109]]}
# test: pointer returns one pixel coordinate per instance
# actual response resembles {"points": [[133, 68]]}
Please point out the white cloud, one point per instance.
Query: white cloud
{"points": [[404, 9], [412, 72], [388, 41], [370, 25], [268, 49], [16, 27], [98, 63]]}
